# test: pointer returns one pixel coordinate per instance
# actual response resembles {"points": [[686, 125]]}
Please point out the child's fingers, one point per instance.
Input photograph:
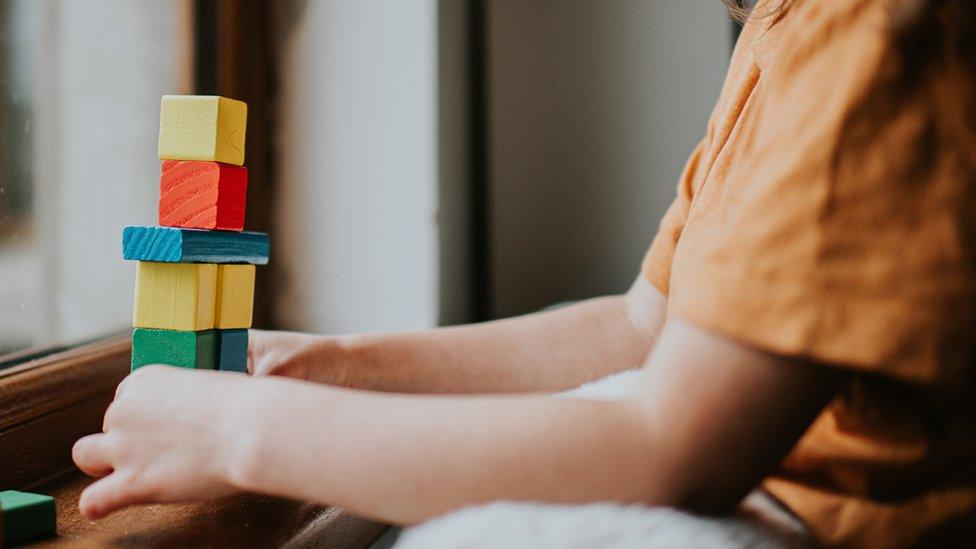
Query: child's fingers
{"points": [[109, 495], [91, 455], [133, 378], [255, 346]]}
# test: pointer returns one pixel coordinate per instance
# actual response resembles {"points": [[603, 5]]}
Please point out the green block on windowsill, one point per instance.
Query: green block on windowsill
{"points": [[25, 517], [174, 347]]}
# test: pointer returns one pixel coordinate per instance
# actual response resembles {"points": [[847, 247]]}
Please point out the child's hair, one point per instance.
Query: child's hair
{"points": [[741, 10], [927, 35]]}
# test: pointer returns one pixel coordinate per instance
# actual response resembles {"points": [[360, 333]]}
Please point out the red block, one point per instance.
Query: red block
{"points": [[202, 195]]}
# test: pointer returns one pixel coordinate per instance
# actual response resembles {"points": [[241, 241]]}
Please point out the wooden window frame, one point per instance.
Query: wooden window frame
{"points": [[232, 57], [49, 402]]}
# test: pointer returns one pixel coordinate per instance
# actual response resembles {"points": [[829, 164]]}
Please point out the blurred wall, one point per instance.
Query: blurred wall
{"points": [[355, 236], [593, 108]]}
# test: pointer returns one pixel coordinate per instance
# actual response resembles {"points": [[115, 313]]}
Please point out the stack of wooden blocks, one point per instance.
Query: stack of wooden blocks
{"points": [[195, 272]]}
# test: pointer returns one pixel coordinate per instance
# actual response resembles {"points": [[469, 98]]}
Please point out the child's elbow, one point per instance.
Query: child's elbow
{"points": [[696, 487], [714, 501], [705, 501]]}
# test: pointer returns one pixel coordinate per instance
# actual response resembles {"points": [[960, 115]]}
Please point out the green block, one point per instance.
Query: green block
{"points": [[232, 350], [175, 348], [26, 516]]}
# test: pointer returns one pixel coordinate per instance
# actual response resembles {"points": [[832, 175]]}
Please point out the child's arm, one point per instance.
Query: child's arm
{"points": [[711, 418], [540, 352]]}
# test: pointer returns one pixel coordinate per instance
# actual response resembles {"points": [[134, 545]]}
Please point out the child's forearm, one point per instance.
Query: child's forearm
{"points": [[540, 352], [175, 435], [403, 458], [543, 352]]}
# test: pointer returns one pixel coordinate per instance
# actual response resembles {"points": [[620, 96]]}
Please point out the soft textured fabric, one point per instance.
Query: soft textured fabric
{"points": [[784, 240], [515, 525]]}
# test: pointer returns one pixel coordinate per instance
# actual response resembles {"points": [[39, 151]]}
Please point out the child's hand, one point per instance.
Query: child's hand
{"points": [[171, 435], [296, 355]]}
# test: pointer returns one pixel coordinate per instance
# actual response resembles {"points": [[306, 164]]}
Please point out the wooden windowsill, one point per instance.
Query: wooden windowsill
{"points": [[247, 520], [48, 403]]}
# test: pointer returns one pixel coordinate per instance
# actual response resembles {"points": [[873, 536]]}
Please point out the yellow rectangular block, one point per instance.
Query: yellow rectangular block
{"points": [[235, 296], [175, 296], [202, 127]]}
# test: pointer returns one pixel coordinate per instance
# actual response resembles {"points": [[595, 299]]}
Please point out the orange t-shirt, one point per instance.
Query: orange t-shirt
{"points": [[777, 242]]}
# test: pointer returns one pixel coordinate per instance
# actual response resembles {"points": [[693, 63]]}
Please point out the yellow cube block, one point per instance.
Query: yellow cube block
{"points": [[235, 296], [175, 296], [202, 127]]}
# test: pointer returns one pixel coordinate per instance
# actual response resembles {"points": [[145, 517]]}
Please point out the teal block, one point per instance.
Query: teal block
{"points": [[25, 516], [176, 245], [232, 345], [196, 350]]}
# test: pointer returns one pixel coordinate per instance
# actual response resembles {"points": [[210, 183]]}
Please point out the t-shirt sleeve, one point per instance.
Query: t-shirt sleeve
{"points": [[830, 241], [656, 267]]}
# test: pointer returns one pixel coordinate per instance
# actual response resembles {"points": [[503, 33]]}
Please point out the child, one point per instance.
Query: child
{"points": [[805, 319]]}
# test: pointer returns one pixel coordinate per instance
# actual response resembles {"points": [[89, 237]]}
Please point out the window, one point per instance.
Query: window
{"points": [[80, 85]]}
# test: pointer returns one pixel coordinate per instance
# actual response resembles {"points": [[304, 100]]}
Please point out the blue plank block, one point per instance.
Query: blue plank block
{"points": [[176, 245], [232, 350]]}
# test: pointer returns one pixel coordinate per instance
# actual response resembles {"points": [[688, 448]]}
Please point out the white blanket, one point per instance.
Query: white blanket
{"points": [[526, 525]]}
